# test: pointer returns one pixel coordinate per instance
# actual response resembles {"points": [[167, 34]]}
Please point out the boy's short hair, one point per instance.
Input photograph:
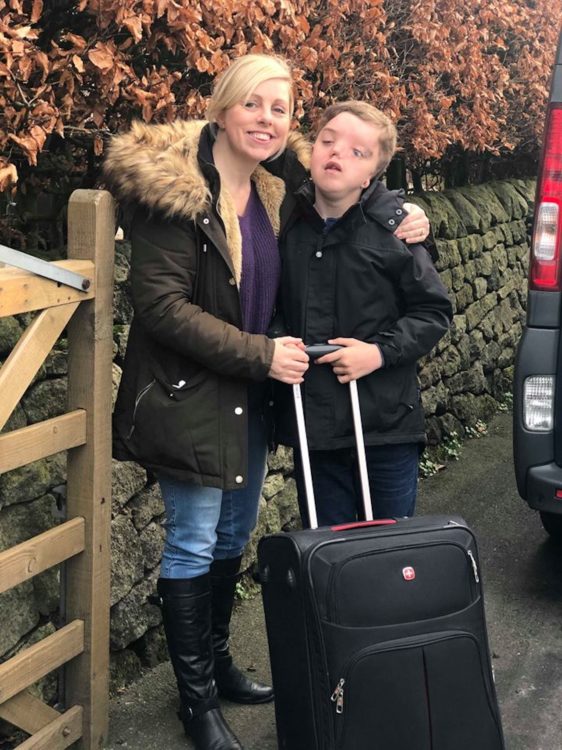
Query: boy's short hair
{"points": [[242, 77], [388, 135]]}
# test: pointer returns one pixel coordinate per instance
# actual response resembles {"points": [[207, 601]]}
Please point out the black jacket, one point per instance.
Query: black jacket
{"points": [[357, 280]]}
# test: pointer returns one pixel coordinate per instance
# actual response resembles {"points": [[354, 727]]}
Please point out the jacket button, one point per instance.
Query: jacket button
{"points": [[232, 281], [392, 222], [239, 479], [399, 212], [319, 253], [205, 220], [239, 410]]}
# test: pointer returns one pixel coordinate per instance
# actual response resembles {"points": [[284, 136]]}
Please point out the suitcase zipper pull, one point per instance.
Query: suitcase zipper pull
{"points": [[337, 696], [474, 566]]}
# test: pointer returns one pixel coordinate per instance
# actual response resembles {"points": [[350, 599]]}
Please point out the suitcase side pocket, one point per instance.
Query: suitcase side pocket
{"points": [[422, 693], [401, 585]]}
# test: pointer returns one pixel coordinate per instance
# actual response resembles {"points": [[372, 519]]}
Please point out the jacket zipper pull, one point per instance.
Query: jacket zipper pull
{"points": [[474, 566], [337, 696]]}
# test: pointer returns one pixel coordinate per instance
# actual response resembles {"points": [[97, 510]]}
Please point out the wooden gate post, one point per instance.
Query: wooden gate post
{"points": [[91, 232]]}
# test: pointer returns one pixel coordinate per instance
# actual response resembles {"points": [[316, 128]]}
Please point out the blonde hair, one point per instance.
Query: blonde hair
{"points": [[241, 78], [388, 136]]}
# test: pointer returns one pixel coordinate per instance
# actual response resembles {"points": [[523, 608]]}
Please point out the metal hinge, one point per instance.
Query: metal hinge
{"points": [[43, 268]]}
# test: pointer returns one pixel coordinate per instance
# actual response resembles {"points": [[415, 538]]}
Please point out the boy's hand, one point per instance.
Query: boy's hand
{"points": [[355, 361], [415, 227], [290, 361]]}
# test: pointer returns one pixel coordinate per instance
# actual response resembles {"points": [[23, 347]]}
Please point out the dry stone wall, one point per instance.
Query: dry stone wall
{"points": [[481, 236]]}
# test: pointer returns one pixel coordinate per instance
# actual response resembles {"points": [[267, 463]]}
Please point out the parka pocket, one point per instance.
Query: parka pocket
{"points": [[171, 417]]}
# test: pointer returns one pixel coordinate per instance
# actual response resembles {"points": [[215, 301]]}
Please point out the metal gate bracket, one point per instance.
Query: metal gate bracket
{"points": [[42, 268]]}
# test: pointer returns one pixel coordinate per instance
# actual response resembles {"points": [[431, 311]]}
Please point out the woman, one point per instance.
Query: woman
{"points": [[210, 199]]}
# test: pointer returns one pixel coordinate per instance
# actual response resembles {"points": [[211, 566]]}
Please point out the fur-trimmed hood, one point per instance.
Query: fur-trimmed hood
{"points": [[157, 166]]}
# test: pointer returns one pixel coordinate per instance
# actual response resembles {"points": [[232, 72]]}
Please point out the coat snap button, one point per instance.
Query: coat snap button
{"points": [[239, 479], [392, 222], [399, 212], [205, 220], [238, 410], [319, 253], [232, 281]]}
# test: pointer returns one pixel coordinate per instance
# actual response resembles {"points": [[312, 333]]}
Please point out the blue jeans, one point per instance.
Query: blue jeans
{"points": [[393, 480], [205, 523]]}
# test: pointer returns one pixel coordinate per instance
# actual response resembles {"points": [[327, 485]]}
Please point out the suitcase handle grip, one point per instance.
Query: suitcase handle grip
{"points": [[315, 351], [363, 524]]}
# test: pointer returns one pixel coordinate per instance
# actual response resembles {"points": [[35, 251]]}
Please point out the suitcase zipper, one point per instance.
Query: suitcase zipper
{"points": [[337, 696], [474, 566]]}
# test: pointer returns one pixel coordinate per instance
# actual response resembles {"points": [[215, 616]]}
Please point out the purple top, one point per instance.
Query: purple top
{"points": [[261, 266]]}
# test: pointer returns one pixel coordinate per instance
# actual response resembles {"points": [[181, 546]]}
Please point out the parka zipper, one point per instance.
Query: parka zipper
{"points": [[138, 399]]}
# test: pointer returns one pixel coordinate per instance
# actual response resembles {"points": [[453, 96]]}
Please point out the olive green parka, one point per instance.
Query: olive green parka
{"points": [[181, 409]]}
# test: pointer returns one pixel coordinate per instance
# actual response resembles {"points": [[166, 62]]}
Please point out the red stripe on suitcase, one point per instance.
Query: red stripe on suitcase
{"points": [[363, 524]]}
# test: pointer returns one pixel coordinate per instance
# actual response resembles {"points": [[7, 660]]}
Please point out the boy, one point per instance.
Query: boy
{"points": [[347, 280]]}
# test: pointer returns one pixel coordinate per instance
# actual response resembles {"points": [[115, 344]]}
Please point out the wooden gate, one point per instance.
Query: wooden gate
{"points": [[83, 540]]}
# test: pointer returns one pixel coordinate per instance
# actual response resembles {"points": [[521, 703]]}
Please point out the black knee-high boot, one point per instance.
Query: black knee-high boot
{"points": [[231, 682], [186, 611]]}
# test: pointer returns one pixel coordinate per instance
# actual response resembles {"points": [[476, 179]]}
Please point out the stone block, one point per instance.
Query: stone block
{"points": [[476, 312], [499, 255], [281, 460], [484, 265], [135, 614], [465, 209], [45, 400], [124, 668], [464, 297], [458, 276], [26, 483], [469, 409], [152, 545], [451, 360], [274, 483], [486, 204], [513, 202], [468, 381], [10, 333], [435, 399], [146, 506], [152, 648], [445, 221], [127, 565], [127, 478], [18, 615]]}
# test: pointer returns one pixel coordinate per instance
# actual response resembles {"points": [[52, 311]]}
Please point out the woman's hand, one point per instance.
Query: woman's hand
{"points": [[290, 361], [356, 360], [415, 227]]}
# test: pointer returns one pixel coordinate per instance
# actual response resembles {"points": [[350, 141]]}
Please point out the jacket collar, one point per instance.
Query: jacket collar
{"points": [[376, 202], [169, 169]]}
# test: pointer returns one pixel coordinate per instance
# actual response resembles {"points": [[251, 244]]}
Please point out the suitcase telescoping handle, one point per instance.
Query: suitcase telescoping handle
{"points": [[314, 352]]}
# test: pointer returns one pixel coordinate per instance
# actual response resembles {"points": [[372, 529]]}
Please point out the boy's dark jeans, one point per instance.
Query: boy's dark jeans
{"points": [[393, 478]]}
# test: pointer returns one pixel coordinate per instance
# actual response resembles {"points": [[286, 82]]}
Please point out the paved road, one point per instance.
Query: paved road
{"points": [[523, 587]]}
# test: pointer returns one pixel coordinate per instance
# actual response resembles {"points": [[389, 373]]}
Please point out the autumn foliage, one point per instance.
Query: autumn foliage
{"points": [[457, 75]]}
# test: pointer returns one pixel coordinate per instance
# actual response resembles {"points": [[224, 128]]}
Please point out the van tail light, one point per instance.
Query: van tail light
{"points": [[544, 271]]}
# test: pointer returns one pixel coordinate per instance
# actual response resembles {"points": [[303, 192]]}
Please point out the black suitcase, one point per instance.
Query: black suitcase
{"points": [[377, 635]]}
